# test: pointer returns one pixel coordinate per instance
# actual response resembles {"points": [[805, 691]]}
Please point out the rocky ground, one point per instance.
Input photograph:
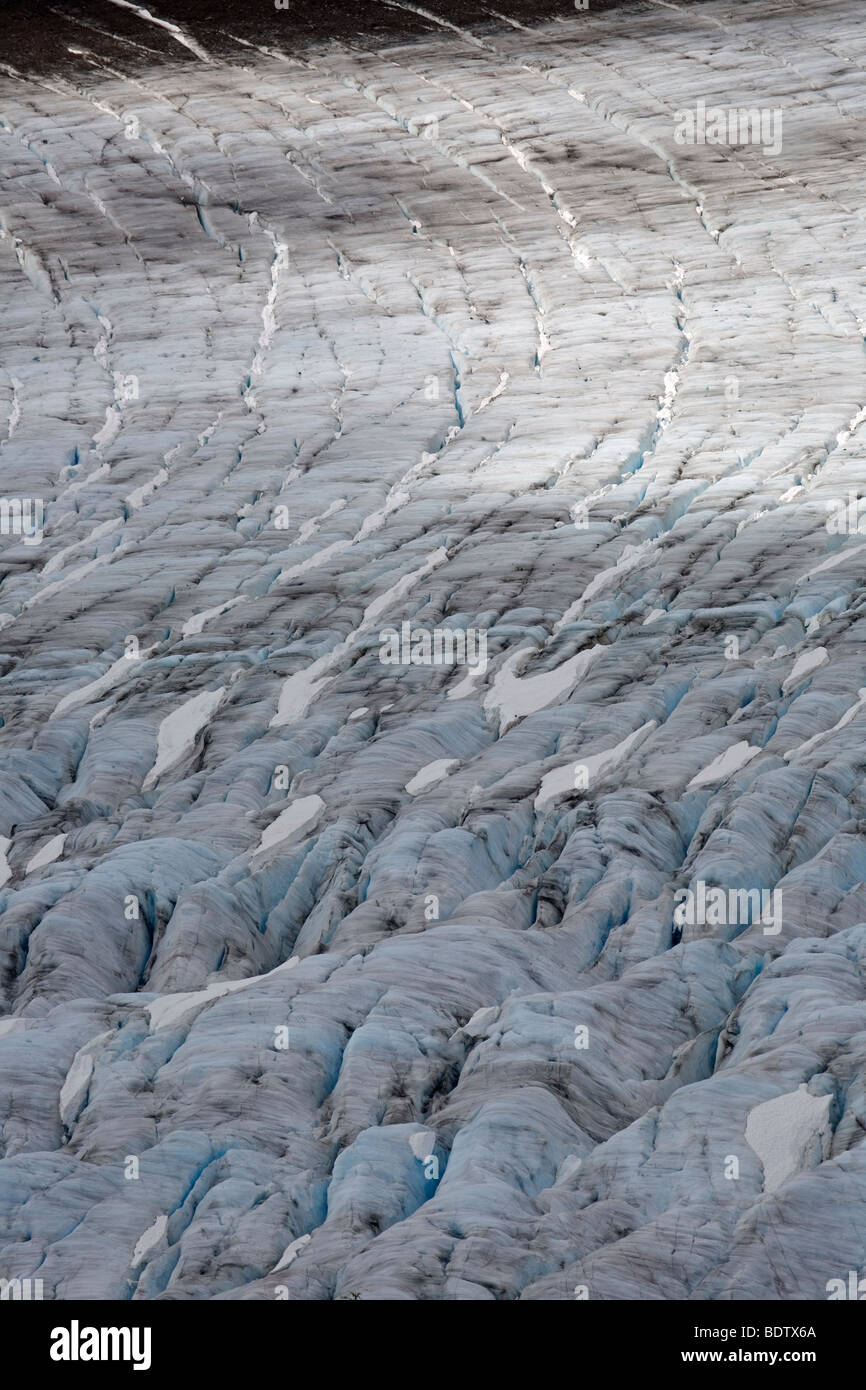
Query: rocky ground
{"points": [[330, 976]]}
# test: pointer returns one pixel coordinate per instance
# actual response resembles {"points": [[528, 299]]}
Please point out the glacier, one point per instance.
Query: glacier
{"points": [[328, 978]]}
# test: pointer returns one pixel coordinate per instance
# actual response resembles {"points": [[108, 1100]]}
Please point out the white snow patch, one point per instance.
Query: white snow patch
{"points": [[104, 529], [726, 764], [397, 498], [15, 407], [298, 817], [514, 698], [74, 1087], [171, 1008], [173, 29], [194, 625], [299, 690], [422, 1143], [94, 690], [102, 471], [631, 558], [834, 560], [321, 557], [50, 851], [139, 495], [788, 1133], [291, 1252], [804, 665], [467, 685], [825, 733], [12, 1025], [152, 1236], [852, 427], [179, 730], [560, 780], [5, 871], [427, 775], [309, 528], [568, 1167], [480, 1022], [269, 319], [488, 400], [74, 575], [110, 430], [401, 588]]}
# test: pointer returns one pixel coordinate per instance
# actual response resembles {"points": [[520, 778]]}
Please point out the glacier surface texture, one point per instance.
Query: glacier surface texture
{"points": [[433, 652]]}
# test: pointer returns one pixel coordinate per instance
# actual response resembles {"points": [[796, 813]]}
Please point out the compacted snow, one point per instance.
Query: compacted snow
{"points": [[328, 975]]}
